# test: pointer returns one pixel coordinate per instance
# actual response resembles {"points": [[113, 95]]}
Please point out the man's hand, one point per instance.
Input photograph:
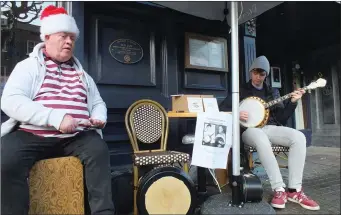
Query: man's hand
{"points": [[68, 125], [243, 115], [95, 123], [296, 95]]}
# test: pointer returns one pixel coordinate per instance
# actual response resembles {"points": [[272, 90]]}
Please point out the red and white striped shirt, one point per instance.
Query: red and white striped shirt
{"points": [[62, 88]]}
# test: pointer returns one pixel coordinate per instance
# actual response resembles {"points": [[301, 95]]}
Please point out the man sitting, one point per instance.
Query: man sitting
{"points": [[275, 133], [52, 102]]}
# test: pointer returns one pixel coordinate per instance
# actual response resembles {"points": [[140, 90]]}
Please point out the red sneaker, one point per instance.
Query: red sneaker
{"points": [[279, 199], [303, 200]]}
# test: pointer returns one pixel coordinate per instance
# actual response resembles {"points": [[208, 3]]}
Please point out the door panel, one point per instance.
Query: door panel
{"points": [[121, 84], [114, 72]]}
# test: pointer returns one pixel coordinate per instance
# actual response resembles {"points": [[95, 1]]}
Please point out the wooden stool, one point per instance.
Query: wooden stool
{"points": [[56, 186]]}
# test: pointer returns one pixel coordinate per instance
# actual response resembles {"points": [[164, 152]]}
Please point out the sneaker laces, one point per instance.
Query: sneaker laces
{"points": [[303, 196], [278, 194]]}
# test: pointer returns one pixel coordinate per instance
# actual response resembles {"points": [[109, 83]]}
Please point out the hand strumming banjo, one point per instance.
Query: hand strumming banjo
{"points": [[258, 109]]}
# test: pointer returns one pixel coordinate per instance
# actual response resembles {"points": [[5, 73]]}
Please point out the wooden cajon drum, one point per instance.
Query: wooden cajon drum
{"points": [[56, 186]]}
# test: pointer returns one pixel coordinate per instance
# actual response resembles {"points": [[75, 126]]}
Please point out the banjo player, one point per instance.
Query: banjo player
{"points": [[275, 133]]}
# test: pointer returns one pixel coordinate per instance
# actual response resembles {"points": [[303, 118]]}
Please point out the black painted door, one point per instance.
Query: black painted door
{"points": [[160, 72], [125, 61]]}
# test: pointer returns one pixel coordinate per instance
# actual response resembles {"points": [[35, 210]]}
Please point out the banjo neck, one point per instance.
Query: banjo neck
{"points": [[280, 99]]}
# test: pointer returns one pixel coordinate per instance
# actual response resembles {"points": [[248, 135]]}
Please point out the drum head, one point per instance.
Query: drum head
{"points": [[166, 190], [256, 112]]}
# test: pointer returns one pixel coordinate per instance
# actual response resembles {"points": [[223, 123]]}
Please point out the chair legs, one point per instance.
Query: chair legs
{"points": [[284, 158], [185, 167], [250, 160], [136, 181]]}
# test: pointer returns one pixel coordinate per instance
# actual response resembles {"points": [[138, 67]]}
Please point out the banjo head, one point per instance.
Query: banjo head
{"points": [[256, 110], [166, 190]]}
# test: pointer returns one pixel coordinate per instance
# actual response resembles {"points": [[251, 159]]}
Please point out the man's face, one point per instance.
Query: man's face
{"points": [[258, 76], [60, 46]]}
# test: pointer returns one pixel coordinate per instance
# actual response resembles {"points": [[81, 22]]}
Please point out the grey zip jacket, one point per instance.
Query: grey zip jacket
{"points": [[23, 85]]}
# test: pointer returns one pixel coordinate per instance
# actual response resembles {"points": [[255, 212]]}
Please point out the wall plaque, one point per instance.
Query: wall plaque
{"points": [[126, 51]]}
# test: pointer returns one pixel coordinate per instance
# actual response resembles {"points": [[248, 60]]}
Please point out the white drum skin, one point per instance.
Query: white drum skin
{"points": [[255, 110]]}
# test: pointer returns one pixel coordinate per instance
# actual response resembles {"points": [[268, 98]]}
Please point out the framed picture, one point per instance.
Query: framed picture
{"points": [[276, 80], [205, 52]]}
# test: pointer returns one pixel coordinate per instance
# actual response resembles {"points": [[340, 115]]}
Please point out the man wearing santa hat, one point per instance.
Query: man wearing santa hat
{"points": [[53, 106]]}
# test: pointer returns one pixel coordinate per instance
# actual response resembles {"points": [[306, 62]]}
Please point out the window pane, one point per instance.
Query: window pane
{"points": [[20, 25]]}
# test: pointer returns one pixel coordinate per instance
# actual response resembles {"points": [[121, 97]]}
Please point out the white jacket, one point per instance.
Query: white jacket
{"points": [[23, 85]]}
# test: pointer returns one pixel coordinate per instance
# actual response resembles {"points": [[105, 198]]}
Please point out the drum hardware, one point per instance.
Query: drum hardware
{"points": [[258, 110], [166, 190]]}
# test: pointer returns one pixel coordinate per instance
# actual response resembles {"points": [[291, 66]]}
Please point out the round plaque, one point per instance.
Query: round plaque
{"points": [[126, 51]]}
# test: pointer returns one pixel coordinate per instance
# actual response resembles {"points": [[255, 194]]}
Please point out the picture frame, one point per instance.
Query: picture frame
{"points": [[206, 52], [276, 77]]}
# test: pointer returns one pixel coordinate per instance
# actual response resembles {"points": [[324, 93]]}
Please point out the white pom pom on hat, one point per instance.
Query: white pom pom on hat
{"points": [[54, 20]]}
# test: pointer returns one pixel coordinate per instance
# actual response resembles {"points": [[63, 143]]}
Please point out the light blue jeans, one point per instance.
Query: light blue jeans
{"points": [[263, 138]]}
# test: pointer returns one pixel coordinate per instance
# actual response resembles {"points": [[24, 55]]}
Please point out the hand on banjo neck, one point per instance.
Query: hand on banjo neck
{"points": [[295, 96], [254, 111]]}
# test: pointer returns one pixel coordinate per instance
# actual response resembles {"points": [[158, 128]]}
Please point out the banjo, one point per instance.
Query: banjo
{"points": [[258, 109]]}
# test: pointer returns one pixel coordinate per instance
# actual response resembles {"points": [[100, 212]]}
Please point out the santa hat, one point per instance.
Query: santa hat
{"points": [[54, 20]]}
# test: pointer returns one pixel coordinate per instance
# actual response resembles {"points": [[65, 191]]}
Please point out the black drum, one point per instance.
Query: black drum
{"points": [[251, 188], [166, 190]]}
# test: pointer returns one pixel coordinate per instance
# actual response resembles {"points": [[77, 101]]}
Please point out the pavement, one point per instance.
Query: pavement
{"points": [[321, 181]]}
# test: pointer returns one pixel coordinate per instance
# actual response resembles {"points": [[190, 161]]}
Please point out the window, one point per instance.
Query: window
{"points": [[4, 49], [3, 71], [30, 46], [3, 78], [20, 23]]}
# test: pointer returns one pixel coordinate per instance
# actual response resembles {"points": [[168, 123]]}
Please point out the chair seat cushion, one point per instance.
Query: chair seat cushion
{"points": [[275, 148], [164, 157]]}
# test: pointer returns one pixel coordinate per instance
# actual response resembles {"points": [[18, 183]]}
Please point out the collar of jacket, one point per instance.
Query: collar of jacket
{"points": [[268, 89]]}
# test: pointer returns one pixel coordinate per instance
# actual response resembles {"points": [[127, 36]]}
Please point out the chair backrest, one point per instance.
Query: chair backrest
{"points": [[146, 122]]}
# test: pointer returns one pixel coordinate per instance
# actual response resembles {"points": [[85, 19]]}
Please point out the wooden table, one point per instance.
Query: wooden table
{"points": [[173, 114]]}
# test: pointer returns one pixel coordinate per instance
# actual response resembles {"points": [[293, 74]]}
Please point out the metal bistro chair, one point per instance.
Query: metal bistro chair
{"points": [[147, 123]]}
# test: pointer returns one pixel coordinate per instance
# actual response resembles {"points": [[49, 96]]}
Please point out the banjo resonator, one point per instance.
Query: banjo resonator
{"points": [[258, 109]]}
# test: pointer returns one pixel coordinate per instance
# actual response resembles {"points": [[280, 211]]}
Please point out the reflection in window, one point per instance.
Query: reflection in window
{"points": [[3, 78], [20, 26], [30, 46]]}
